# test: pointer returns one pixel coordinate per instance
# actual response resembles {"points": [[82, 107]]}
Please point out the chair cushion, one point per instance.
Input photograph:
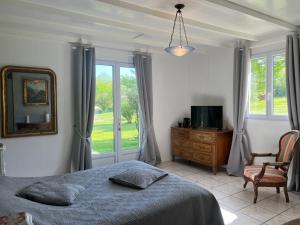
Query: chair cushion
{"points": [[271, 175]]}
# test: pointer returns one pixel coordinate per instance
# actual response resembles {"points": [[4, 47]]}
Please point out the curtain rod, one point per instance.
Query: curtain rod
{"points": [[130, 53], [80, 44]]}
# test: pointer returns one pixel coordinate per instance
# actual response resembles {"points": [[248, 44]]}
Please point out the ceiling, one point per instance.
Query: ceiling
{"points": [[148, 23]]}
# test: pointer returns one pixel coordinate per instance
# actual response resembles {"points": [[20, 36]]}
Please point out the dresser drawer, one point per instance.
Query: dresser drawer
{"points": [[181, 142], [178, 133], [187, 154], [176, 150], [203, 137], [204, 148], [202, 158]]}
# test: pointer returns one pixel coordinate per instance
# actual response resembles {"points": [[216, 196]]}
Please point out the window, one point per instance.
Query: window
{"points": [[267, 89], [116, 121]]}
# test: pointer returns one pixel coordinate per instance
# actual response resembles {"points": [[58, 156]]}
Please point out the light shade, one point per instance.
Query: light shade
{"points": [[179, 50]]}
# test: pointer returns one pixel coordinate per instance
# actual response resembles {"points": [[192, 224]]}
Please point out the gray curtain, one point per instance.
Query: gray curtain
{"points": [[84, 105], [240, 149], [149, 149], [293, 96]]}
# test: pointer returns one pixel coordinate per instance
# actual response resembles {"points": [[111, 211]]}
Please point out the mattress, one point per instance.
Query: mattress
{"points": [[169, 201]]}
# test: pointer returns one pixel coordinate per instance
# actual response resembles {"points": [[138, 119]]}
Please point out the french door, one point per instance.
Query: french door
{"points": [[116, 123]]}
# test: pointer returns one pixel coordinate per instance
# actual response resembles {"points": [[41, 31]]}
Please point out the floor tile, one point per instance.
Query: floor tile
{"points": [[278, 220], [195, 177], [218, 195], [230, 188], [274, 206], [182, 172], [292, 213], [211, 182], [294, 197], [234, 203], [203, 186], [297, 206], [238, 219], [281, 198], [258, 213], [248, 195]]}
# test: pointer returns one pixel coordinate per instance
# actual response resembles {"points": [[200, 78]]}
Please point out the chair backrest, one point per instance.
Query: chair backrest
{"points": [[287, 146]]}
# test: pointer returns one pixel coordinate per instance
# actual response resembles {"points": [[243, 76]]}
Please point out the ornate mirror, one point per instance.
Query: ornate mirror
{"points": [[28, 101]]}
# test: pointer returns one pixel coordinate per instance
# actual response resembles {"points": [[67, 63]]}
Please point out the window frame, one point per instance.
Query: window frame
{"points": [[269, 88], [117, 151]]}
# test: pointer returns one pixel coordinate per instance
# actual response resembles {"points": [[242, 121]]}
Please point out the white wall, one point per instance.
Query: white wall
{"points": [[199, 79], [49, 155], [211, 83], [211, 80], [42, 155], [170, 82], [264, 135]]}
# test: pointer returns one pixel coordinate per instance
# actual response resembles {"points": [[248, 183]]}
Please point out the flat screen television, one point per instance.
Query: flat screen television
{"points": [[207, 117]]}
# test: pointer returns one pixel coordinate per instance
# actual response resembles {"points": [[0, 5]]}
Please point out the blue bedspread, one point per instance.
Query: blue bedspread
{"points": [[169, 201]]}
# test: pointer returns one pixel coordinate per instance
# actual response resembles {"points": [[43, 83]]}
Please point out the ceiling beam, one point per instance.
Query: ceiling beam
{"points": [[97, 20], [135, 33], [69, 38], [169, 16], [251, 12]]}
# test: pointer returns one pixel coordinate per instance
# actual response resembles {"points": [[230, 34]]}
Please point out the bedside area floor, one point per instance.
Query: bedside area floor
{"points": [[235, 201]]}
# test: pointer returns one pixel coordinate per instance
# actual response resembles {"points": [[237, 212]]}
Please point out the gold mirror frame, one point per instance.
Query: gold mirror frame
{"points": [[4, 104]]}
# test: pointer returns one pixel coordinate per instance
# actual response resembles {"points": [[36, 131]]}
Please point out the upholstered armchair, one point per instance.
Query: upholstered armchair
{"points": [[272, 174]]}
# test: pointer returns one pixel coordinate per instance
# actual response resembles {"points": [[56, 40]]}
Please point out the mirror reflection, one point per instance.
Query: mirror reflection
{"points": [[29, 101]]}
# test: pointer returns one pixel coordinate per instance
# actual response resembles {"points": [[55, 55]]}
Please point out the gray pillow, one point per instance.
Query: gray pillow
{"points": [[139, 178], [51, 193]]}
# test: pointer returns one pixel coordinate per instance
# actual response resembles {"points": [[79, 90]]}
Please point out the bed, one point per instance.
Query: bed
{"points": [[169, 201]]}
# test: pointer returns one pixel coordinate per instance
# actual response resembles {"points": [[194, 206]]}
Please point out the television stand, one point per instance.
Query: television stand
{"points": [[210, 147]]}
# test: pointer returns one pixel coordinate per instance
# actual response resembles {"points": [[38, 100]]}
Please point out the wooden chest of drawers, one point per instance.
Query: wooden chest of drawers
{"points": [[208, 147]]}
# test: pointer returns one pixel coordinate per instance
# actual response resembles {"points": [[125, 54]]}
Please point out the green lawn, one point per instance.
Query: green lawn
{"points": [[103, 138], [259, 106]]}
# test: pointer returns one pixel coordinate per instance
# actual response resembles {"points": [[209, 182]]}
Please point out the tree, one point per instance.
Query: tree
{"points": [[104, 97], [127, 112], [129, 98], [279, 74], [258, 79]]}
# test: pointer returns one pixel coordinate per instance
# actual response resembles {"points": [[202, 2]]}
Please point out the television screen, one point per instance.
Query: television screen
{"points": [[207, 117]]}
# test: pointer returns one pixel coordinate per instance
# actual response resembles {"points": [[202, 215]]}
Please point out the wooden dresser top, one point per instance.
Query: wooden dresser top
{"points": [[207, 130]]}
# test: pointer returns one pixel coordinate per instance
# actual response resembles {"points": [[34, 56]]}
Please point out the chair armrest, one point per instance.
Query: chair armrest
{"points": [[253, 155], [277, 164], [263, 154]]}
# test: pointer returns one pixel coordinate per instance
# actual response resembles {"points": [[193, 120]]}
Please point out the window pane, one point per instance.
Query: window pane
{"points": [[279, 86], [103, 131], [129, 109], [258, 86]]}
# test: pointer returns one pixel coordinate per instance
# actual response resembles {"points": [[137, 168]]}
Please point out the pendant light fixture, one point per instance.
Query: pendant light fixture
{"points": [[179, 50]]}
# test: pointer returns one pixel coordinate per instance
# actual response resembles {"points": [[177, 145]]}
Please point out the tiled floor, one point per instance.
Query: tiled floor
{"points": [[236, 202]]}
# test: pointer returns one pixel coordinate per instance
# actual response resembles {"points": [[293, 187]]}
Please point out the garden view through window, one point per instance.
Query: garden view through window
{"points": [[116, 121], [268, 86]]}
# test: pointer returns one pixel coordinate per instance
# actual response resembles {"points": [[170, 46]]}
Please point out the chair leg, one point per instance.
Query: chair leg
{"points": [[245, 184], [278, 190], [255, 193], [286, 193]]}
